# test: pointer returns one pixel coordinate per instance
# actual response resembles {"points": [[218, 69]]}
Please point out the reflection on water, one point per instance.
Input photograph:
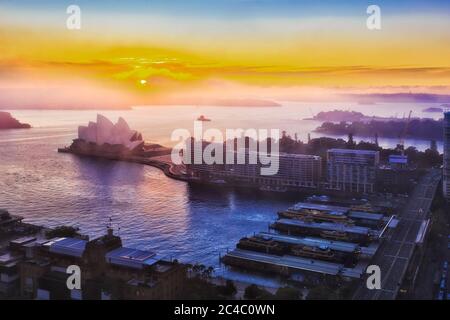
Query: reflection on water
{"points": [[158, 122], [148, 210]]}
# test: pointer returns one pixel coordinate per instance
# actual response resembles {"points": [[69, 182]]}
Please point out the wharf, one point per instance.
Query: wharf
{"points": [[287, 264]]}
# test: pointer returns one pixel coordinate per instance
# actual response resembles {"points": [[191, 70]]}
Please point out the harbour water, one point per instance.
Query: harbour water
{"points": [[148, 210]]}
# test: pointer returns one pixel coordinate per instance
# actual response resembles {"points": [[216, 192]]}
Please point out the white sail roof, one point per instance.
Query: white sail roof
{"points": [[106, 132]]}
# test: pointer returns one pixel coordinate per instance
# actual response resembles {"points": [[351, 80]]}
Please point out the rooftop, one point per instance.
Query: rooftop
{"points": [[326, 226], [354, 151], [310, 241], [22, 241], [8, 258], [295, 263], [336, 210], [319, 207], [366, 215], [396, 158], [282, 154], [67, 246], [132, 258]]}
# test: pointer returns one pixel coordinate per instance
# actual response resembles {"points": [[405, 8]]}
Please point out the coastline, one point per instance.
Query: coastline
{"points": [[168, 168], [173, 171]]}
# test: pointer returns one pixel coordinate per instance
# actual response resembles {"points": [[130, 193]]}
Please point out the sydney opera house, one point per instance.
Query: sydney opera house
{"points": [[106, 137]]}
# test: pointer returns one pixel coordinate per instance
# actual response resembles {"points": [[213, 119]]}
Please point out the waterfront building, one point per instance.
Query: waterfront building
{"points": [[446, 168], [352, 171], [36, 269], [105, 132], [294, 170], [106, 138], [313, 241]]}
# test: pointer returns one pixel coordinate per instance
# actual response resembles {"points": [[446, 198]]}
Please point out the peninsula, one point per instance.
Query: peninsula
{"points": [[350, 116], [8, 122], [416, 129], [104, 139]]}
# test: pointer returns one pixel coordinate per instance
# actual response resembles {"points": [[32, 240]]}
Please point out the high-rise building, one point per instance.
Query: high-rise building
{"points": [[352, 170], [446, 171]]}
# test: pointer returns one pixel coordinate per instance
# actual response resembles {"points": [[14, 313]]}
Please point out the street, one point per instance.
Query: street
{"points": [[396, 250]]}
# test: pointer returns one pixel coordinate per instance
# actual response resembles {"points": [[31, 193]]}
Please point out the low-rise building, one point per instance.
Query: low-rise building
{"points": [[37, 269], [293, 171]]}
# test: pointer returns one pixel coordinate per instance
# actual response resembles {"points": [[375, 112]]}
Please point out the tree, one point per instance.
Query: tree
{"points": [[288, 293], [253, 292], [62, 232], [229, 289], [322, 292]]}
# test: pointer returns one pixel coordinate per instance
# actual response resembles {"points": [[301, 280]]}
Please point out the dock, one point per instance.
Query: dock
{"points": [[289, 264], [306, 245], [324, 226], [347, 247]]}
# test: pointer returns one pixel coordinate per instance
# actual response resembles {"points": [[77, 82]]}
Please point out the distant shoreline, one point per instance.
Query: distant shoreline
{"points": [[63, 109], [7, 121], [229, 103], [423, 129]]}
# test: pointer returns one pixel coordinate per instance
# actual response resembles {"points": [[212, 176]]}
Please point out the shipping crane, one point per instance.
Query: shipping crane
{"points": [[403, 134]]}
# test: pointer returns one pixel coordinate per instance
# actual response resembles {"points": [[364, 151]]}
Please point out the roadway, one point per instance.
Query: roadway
{"points": [[397, 249]]}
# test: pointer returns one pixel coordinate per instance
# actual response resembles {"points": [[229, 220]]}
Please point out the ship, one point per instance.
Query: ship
{"points": [[315, 215], [320, 252], [261, 245], [203, 118], [334, 235]]}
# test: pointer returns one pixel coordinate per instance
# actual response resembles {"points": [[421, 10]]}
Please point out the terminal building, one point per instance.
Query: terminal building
{"points": [[352, 171], [446, 169], [311, 242]]}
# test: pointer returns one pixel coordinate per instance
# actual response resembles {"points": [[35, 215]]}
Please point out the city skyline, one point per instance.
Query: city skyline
{"points": [[224, 150]]}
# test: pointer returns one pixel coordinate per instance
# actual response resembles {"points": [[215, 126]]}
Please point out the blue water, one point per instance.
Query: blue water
{"points": [[148, 210]]}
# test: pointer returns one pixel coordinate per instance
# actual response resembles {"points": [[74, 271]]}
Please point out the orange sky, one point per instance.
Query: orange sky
{"points": [[133, 59]]}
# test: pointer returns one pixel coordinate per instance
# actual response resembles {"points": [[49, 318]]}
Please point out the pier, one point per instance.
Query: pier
{"points": [[289, 264]]}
